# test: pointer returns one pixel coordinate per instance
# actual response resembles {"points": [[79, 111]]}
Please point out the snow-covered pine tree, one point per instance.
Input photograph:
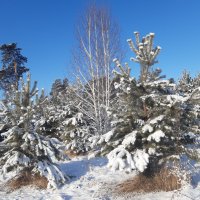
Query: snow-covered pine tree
{"points": [[12, 65], [75, 127], [145, 53], [190, 88], [185, 84], [26, 148], [64, 121], [76, 131], [57, 88], [54, 110], [48, 124], [146, 122]]}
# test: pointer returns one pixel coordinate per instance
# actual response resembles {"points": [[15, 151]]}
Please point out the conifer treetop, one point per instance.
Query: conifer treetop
{"points": [[145, 53]]}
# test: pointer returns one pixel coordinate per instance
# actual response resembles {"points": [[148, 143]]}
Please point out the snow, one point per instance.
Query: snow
{"points": [[120, 158], [157, 135], [152, 34], [190, 135], [92, 180], [52, 173], [2, 126], [128, 89], [151, 151], [141, 160], [106, 137], [129, 139], [157, 119], [147, 128], [176, 98], [158, 82]]}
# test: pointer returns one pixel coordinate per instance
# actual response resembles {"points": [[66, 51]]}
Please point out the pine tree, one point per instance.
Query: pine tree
{"points": [[148, 121], [76, 131], [57, 87], [12, 65], [75, 127], [189, 88], [26, 147], [63, 120], [145, 53]]}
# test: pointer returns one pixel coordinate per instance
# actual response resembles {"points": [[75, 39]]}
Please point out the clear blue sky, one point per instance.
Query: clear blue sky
{"points": [[44, 29]]}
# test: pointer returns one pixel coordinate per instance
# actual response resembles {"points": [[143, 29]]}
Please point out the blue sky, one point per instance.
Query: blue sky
{"points": [[44, 29]]}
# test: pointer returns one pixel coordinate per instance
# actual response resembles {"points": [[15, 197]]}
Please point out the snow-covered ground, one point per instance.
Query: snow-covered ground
{"points": [[91, 179]]}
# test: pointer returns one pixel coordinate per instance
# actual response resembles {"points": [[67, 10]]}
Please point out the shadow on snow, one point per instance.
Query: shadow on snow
{"points": [[77, 168]]}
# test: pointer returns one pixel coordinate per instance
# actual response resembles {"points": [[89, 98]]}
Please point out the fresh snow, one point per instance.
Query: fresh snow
{"points": [[120, 158], [157, 119], [151, 151], [106, 137], [141, 160], [176, 98], [129, 139], [147, 128], [157, 135], [92, 180]]}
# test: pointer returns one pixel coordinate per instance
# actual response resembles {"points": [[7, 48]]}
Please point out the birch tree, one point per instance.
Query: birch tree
{"points": [[98, 42]]}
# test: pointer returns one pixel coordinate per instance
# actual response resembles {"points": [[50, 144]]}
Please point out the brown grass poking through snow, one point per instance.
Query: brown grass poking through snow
{"points": [[72, 154], [163, 180], [26, 178]]}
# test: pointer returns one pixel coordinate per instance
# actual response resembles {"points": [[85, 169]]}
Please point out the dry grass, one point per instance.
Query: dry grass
{"points": [[26, 178], [72, 154], [163, 180]]}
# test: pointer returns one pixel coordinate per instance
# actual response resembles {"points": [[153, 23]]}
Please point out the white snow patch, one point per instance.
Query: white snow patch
{"points": [[141, 160], [129, 139], [151, 151], [108, 135], [156, 136], [120, 158], [157, 119], [147, 128]]}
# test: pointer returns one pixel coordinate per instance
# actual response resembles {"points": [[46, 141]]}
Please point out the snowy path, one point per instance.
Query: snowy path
{"points": [[92, 180]]}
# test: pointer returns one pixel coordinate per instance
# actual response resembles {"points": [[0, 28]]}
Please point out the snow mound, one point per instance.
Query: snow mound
{"points": [[122, 159]]}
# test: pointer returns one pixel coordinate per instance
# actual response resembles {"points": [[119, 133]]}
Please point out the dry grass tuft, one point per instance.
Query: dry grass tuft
{"points": [[72, 154], [163, 180], [26, 178]]}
